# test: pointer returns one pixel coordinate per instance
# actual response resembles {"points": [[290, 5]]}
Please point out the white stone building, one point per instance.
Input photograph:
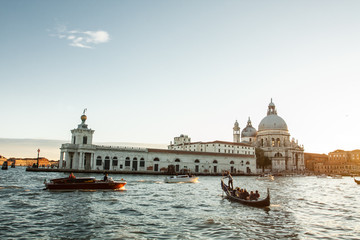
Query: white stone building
{"points": [[200, 157]]}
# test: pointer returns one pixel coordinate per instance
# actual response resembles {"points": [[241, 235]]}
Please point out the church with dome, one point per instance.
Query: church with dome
{"points": [[273, 138]]}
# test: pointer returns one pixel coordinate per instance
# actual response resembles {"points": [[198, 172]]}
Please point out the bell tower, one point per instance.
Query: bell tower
{"points": [[236, 132]]}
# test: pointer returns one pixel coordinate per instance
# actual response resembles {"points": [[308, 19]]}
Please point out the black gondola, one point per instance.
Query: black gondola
{"points": [[255, 203], [357, 181], [5, 166]]}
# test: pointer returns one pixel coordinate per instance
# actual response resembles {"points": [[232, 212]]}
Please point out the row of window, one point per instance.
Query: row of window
{"points": [[142, 161]]}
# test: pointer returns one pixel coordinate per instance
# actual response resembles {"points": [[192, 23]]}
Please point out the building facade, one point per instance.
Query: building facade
{"points": [[199, 157]]}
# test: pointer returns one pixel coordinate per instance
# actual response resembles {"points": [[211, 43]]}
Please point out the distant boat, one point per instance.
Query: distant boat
{"points": [[5, 166], [181, 179], [357, 181], [336, 176], [12, 165], [265, 177], [322, 176], [255, 203]]}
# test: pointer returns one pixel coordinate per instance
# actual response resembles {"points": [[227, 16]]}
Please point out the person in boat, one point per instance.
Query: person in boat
{"points": [[230, 183], [252, 196], [106, 177], [72, 176], [257, 195], [245, 195]]}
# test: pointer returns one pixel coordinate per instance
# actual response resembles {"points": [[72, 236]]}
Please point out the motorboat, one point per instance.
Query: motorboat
{"points": [[255, 203], [336, 176], [83, 183], [181, 179], [265, 177], [322, 176], [357, 181]]}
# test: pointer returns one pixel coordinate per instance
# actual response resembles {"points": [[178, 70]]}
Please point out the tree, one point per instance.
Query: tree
{"points": [[261, 160]]}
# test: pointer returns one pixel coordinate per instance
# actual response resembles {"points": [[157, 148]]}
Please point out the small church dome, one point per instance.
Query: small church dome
{"points": [[249, 130]]}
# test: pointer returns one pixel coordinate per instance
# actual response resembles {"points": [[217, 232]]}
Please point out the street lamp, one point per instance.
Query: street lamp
{"points": [[38, 151]]}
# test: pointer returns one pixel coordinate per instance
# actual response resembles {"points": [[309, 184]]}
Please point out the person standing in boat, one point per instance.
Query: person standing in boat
{"points": [[105, 177], [230, 183]]}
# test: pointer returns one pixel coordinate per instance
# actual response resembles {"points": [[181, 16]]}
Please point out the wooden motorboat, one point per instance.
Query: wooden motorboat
{"points": [[357, 181], [4, 166], [83, 183], [265, 177], [255, 203], [181, 179]]}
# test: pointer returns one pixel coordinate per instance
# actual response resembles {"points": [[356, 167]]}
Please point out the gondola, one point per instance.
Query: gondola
{"points": [[4, 166], [357, 181], [255, 203]]}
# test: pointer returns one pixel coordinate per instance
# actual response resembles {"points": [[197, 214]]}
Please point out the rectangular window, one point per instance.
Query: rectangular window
{"points": [[142, 163], [98, 162], [120, 166], [115, 162]]}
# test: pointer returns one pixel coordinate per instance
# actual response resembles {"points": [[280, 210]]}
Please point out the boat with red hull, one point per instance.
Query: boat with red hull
{"points": [[83, 183]]}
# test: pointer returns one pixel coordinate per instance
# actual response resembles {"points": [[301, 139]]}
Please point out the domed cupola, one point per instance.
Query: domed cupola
{"points": [[272, 121], [249, 130]]}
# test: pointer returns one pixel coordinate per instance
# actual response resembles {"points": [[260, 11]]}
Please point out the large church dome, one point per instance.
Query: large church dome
{"points": [[272, 121]]}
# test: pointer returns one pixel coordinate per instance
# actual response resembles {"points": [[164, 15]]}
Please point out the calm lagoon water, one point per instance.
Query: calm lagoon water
{"points": [[301, 208]]}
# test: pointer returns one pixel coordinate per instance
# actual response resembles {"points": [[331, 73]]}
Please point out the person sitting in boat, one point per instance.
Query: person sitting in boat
{"points": [[72, 176], [252, 196], [245, 195], [105, 177], [257, 194]]}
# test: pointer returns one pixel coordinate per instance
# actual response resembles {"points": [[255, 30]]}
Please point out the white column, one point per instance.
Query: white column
{"points": [[81, 161], [61, 159], [67, 160]]}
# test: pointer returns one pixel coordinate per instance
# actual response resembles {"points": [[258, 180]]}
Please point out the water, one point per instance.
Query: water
{"points": [[301, 208]]}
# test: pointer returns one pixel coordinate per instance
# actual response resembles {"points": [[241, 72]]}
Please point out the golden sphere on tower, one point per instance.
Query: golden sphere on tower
{"points": [[83, 118]]}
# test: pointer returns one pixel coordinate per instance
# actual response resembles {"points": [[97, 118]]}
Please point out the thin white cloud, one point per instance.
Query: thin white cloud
{"points": [[82, 39]]}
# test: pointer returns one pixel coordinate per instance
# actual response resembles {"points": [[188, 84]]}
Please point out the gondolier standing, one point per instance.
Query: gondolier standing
{"points": [[230, 183]]}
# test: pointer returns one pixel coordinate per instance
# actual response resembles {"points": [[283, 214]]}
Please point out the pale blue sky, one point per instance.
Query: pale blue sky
{"points": [[148, 71]]}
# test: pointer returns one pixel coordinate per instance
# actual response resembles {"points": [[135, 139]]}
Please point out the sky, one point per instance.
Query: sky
{"points": [[148, 71]]}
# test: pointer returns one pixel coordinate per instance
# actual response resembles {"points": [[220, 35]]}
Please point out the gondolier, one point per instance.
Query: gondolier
{"points": [[230, 182]]}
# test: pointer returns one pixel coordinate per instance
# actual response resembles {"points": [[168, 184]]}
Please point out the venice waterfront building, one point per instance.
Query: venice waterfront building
{"points": [[212, 157], [199, 157]]}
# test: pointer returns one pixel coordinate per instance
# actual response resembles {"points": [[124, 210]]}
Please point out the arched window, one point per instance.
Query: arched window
{"points": [[278, 142], [85, 140], [197, 161], [247, 163], [115, 161], [156, 159], [74, 140], [273, 142], [98, 161], [177, 160], [142, 162], [215, 161], [262, 142], [127, 162], [278, 155], [231, 162]]}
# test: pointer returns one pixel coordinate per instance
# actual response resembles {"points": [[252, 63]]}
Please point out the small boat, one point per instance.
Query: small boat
{"points": [[83, 183], [322, 176], [357, 181], [13, 165], [181, 179], [336, 176], [4, 166], [254, 203], [265, 177]]}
